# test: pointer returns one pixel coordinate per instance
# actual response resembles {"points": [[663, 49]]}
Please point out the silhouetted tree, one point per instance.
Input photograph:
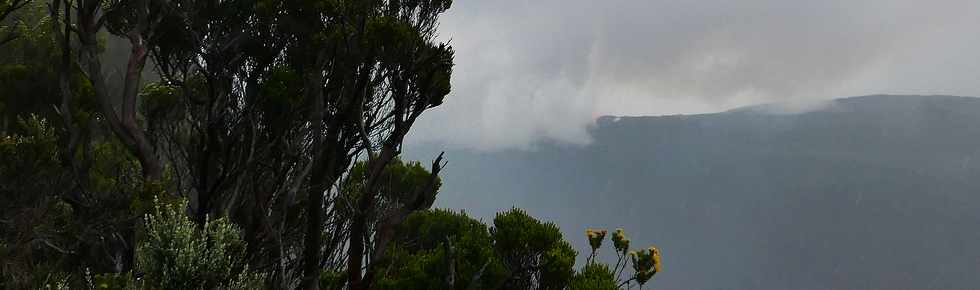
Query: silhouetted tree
{"points": [[285, 118], [290, 90]]}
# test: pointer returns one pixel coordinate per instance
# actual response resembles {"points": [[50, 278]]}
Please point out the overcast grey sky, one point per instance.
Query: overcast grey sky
{"points": [[528, 70]]}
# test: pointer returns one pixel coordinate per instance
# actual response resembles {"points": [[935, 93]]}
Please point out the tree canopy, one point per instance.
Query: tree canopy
{"points": [[244, 144]]}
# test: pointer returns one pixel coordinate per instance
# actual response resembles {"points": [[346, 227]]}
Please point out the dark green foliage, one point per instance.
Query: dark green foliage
{"points": [[419, 270], [265, 155], [332, 280], [446, 249], [28, 68], [283, 97], [161, 104], [47, 225], [535, 253], [435, 244], [174, 254], [594, 276], [441, 247], [27, 65], [406, 184], [29, 157], [33, 235], [112, 281], [430, 229]]}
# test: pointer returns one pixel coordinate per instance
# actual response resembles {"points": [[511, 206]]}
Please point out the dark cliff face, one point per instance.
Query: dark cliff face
{"points": [[874, 192]]}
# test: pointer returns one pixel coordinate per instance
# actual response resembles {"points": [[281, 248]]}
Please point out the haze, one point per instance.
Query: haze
{"points": [[546, 69]]}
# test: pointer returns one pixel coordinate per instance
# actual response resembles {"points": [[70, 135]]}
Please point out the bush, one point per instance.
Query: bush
{"points": [[176, 253], [594, 276], [429, 241], [534, 252]]}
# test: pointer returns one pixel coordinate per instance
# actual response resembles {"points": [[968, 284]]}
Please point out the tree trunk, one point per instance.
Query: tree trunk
{"points": [[122, 123]]}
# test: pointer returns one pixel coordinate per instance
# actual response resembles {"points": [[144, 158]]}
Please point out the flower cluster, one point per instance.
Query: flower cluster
{"points": [[620, 242], [595, 237], [646, 263]]}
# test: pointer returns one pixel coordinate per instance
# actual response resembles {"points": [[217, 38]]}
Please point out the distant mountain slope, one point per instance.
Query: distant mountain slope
{"points": [[873, 192]]}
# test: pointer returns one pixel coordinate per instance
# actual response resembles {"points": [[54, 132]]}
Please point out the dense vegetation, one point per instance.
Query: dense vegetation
{"points": [[246, 145]]}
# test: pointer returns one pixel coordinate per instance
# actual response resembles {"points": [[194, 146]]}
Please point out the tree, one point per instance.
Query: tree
{"points": [[8, 7], [284, 96], [47, 226], [132, 19], [29, 242], [450, 250], [536, 255], [402, 189], [441, 248], [594, 276], [28, 66], [281, 123], [80, 174], [277, 97]]}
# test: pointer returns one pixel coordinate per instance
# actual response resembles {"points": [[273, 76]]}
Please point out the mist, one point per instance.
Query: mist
{"points": [[545, 70], [724, 144]]}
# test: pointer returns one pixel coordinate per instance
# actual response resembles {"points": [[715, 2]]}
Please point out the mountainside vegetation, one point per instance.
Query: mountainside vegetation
{"points": [[247, 144]]}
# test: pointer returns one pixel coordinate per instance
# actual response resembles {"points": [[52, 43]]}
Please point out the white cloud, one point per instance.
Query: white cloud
{"points": [[529, 70]]}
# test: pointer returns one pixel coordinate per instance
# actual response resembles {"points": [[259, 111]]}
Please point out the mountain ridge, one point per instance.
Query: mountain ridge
{"points": [[764, 108], [878, 192]]}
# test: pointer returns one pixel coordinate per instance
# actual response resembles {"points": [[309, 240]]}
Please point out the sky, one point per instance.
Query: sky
{"points": [[531, 71]]}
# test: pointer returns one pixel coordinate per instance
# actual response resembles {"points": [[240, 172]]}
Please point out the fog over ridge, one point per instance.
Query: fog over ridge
{"points": [[531, 70]]}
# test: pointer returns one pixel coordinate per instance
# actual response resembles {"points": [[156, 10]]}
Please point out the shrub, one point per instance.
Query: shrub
{"points": [[176, 253]]}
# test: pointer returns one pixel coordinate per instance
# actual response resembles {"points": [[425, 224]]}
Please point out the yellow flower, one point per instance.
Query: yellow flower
{"points": [[620, 242], [595, 237], [646, 263]]}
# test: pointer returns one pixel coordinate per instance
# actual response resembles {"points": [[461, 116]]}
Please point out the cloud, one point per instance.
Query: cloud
{"points": [[532, 70]]}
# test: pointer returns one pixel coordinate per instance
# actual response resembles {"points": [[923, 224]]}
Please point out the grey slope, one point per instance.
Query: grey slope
{"points": [[873, 192]]}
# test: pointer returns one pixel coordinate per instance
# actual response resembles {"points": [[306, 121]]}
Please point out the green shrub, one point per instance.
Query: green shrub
{"points": [[176, 253], [594, 276], [534, 252]]}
